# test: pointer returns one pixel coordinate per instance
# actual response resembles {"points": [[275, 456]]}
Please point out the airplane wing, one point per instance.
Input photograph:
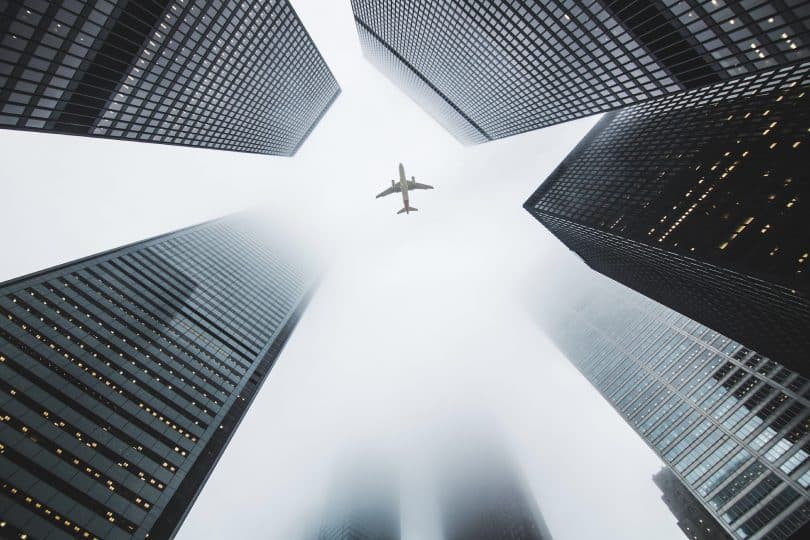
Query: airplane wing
{"points": [[389, 191], [417, 185]]}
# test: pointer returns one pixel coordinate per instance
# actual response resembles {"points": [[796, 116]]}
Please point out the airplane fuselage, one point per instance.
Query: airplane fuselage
{"points": [[403, 187]]}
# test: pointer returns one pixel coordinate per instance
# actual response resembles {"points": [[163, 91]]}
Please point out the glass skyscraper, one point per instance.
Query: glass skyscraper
{"points": [[482, 495], [124, 375], [242, 76], [364, 503], [375, 521], [733, 426], [698, 200], [488, 69]]}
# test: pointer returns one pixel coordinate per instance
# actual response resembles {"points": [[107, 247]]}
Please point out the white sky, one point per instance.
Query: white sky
{"points": [[421, 319]]}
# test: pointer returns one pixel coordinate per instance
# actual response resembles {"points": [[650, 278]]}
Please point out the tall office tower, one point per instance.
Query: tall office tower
{"points": [[373, 522], [364, 505], [693, 519], [732, 425], [698, 200], [124, 375], [483, 497], [242, 76], [490, 69]]}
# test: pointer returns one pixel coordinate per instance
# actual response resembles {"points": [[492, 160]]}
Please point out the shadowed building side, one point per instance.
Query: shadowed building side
{"points": [[695, 522], [697, 201], [241, 76]]}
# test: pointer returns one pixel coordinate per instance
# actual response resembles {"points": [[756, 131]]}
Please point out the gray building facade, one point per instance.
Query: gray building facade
{"points": [[733, 426], [241, 76], [487, 69], [697, 200], [124, 375]]}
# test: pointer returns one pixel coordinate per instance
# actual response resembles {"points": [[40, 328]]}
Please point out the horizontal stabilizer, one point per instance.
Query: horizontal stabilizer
{"points": [[411, 209]]}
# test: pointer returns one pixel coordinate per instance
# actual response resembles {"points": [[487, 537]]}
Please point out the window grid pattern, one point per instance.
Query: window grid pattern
{"points": [[233, 76], [517, 66], [703, 191], [420, 90], [713, 389], [122, 376], [693, 519]]}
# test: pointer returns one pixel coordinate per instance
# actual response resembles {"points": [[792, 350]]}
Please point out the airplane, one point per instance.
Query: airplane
{"points": [[403, 186]]}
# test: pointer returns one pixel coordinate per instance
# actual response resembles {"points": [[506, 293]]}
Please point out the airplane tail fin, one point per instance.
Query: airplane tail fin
{"points": [[410, 208]]}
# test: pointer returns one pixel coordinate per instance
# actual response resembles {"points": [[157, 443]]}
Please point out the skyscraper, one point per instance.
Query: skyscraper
{"points": [[483, 497], [124, 375], [242, 76], [491, 69], [694, 520], [364, 504], [697, 200], [372, 522], [733, 426]]}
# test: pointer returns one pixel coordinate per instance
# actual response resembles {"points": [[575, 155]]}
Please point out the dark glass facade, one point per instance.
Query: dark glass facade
{"points": [[124, 375], [732, 425], [241, 76], [698, 200], [694, 520], [488, 69]]}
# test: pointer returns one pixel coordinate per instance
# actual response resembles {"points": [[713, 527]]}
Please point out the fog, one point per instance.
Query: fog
{"points": [[420, 322]]}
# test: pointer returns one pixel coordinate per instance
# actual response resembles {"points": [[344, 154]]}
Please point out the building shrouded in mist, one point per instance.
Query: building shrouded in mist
{"points": [[733, 426], [491, 69], [364, 505], [123, 376], [242, 76], [483, 497], [693, 519], [698, 201], [375, 521]]}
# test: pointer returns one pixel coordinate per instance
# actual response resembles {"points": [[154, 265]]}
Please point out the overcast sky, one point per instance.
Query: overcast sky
{"points": [[420, 321]]}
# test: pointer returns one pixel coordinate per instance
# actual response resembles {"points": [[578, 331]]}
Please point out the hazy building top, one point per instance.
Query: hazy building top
{"points": [[482, 495], [363, 503]]}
